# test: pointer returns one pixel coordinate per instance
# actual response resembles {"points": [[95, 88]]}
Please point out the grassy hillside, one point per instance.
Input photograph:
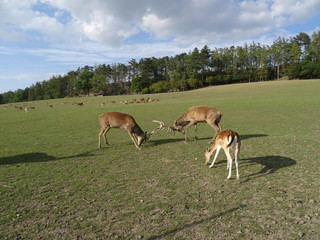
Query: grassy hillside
{"points": [[56, 184]]}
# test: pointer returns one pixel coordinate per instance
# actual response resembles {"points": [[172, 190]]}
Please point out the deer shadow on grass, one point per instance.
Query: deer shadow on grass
{"points": [[163, 141], [247, 136], [195, 223], [190, 139], [39, 157], [269, 165], [242, 137]]}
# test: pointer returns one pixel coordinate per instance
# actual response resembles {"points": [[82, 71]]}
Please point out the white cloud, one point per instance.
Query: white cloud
{"points": [[80, 31], [158, 27], [112, 22], [293, 10], [19, 22], [108, 22]]}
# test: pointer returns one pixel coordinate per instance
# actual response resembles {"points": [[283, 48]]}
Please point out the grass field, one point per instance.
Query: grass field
{"points": [[56, 184]]}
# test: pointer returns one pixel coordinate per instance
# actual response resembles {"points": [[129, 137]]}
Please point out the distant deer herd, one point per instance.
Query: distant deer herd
{"points": [[228, 140]]}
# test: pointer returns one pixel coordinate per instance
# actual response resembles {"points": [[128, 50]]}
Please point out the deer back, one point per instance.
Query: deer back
{"points": [[227, 138], [199, 114], [116, 120], [119, 120]]}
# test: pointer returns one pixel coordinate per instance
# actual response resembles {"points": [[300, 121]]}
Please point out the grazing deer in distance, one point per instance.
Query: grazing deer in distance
{"points": [[123, 121], [228, 140], [79, 104], [198, 114]]}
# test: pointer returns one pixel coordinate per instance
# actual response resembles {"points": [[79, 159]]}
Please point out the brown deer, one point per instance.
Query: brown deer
{"points": [[198, 114], [228, 140], [123, 121], [79, 104]]}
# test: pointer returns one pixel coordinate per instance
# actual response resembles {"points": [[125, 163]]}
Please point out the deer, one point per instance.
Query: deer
{"points": [[79, 104], [123, 121], [228, 140], [198, 114]]}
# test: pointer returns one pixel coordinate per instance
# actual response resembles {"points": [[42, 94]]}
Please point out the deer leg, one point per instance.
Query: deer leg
{"points": [[104, 134], [229, 161], [215, 156], [137, 139], [216, 128], [236, 155], [186, 130], [195, 131], [236, 162], [134, 140], [218, 124], [100, 133]]}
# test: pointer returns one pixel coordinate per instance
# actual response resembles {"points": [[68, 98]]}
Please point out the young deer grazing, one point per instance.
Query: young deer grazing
{"points": [[198, 114], [123, 121], [228, 140]]}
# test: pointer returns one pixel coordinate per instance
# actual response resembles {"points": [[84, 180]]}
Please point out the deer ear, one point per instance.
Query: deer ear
{"points": [[175, 122], [207, 149]]}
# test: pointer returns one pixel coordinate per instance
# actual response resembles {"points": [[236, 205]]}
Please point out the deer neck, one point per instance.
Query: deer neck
{"points": [[182, 121], [137, 130]]}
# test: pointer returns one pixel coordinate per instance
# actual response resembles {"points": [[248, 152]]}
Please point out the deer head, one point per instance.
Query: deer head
{"points": [[176, 127], [144, 138]]}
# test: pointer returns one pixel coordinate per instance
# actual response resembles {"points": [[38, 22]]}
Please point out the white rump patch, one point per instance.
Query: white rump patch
{"points": [[230, 139]]}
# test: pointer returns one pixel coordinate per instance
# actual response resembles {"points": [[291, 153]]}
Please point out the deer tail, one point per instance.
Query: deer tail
{"points": [[233, 136]]}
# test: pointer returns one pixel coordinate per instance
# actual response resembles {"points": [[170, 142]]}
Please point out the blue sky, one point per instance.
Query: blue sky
{"points": [[42, 38]]}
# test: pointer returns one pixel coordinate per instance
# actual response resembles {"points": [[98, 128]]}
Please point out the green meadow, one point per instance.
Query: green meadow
{"points": [[56, 184]]}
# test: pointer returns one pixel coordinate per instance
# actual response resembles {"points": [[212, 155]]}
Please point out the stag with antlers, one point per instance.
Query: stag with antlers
{"points": [[198, 114], [123, 121]]}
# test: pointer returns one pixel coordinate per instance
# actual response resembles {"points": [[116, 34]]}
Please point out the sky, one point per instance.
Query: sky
{"points": [[43, 38]]}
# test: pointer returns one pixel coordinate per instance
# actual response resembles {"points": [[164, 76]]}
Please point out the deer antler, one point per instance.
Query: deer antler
{"points": [[161, 127]]}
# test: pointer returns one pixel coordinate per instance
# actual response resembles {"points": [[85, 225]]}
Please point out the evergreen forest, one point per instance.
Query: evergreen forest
{"points": [[293, 58]]}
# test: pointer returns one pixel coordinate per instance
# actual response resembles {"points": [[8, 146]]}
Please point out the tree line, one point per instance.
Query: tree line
{"points": [[293, 58]]}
